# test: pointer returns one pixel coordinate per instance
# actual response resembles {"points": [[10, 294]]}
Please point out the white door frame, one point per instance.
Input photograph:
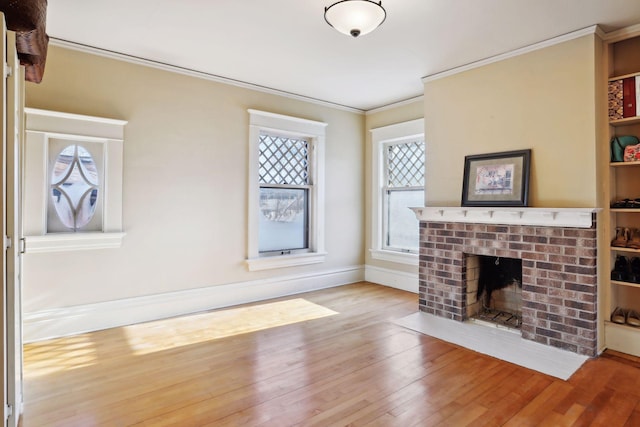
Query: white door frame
{"points": [[13, 124]]}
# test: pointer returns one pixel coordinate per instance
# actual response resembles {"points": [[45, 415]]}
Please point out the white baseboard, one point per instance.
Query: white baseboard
{"points": [[392, 278], [66, 321]]}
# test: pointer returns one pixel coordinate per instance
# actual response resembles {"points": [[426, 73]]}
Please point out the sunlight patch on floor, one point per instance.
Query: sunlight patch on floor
{"points": [[177, 332], [79, 351], [58, 355]]}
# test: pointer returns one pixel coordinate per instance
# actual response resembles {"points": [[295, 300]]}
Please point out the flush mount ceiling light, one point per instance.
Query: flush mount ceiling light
{"points": [[355, 17]]}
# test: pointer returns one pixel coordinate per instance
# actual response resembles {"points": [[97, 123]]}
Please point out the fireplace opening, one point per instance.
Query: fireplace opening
{"points": [[494, 290]]}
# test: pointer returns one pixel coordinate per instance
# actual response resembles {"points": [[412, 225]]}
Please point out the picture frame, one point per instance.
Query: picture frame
{"points": [[497, 179]]}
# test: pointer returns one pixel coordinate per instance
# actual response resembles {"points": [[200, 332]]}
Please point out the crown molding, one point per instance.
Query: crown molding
{"points": [[594, 29], [419, 98], [194, 73], [621, 34]]}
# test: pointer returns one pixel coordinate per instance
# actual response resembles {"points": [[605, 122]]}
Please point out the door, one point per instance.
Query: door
{"points": [[14, 133]]}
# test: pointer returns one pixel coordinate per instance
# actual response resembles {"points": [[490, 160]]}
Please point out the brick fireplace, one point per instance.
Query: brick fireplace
{"points": [[558, 249]]}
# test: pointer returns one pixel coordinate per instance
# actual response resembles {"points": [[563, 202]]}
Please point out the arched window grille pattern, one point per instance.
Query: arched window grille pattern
{"points": [[75, 187]]}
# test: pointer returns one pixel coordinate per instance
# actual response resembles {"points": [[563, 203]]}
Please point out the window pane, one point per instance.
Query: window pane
{"points": [[87, 165], [283, 219], [402, 225], [283, 160], [74, 191], [405, 164]]}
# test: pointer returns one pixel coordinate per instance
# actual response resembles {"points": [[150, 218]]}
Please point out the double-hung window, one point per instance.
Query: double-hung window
{"points": [[398, 176], [286, 195], [404, 188]]}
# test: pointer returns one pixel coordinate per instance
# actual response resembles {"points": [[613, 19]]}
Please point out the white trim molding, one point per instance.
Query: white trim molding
{"points": [[74, 124], [194, 73], [62, 242], [398, 104], [315, 131], [594, 29], [268, 263], [547, 217], [394, 256], [392, 278], [43, 127], [74, 320]]}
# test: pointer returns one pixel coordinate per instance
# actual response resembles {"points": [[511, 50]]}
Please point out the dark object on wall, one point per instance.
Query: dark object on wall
{"points": [[28, 19], [496, 179], [497, 273]]}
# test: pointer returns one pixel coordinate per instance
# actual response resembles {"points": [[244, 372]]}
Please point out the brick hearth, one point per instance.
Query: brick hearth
{"points": [[559, 276]]}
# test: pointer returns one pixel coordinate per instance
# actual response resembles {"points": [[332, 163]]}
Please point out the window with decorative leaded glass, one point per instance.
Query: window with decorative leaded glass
{"points": [[75, 186], [73, 192]]}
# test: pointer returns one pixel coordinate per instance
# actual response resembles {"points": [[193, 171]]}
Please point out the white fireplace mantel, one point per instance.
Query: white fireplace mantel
{"points": [[549, 217]]}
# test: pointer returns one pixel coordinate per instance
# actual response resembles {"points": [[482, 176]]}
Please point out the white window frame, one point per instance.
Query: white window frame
{"points": [[380, 138], [261, 121], [43, 125]]}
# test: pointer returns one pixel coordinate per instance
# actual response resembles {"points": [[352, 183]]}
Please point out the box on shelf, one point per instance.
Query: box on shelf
{"points": [[624, 97]]}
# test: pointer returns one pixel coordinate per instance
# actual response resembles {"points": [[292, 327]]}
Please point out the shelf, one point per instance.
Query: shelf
{"points": [[623, 338], [629, 284], [621, 249], [619, 164], [621, 180], [620, 325], [622, 77], [625, 122], [517, 215]]}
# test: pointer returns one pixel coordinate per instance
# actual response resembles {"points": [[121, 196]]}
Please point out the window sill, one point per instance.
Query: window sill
{"points": [[267, 263], [62, 242], [392, 256]]}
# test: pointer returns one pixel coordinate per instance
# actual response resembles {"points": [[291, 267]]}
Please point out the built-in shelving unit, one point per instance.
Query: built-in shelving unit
{"points": [[623, 183]]}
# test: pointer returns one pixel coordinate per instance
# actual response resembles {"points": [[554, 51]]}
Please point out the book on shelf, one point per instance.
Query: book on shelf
{"points": [[624, 98], [629, 97]]}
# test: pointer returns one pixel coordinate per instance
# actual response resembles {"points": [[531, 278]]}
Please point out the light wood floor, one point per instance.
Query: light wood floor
{"points": [[326, 358]]}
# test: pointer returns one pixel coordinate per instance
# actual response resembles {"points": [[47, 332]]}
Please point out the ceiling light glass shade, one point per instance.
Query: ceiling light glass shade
{"points": [[355, 17]]}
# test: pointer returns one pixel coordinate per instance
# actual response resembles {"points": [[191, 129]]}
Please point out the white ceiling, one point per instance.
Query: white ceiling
{"points": [[286, 45]]}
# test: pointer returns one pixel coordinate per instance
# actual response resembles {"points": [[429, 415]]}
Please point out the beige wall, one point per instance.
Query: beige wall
{"points": [[385, 117], [544, 100], [185, 182], [186, 151]]}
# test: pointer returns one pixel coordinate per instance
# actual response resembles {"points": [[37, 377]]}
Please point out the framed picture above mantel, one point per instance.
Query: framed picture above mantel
{"points": [[497, 179]]}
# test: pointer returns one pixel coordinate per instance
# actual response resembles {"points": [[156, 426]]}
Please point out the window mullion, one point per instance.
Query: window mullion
{"points": [[304, 187], [385, 216], [413, 188]]}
